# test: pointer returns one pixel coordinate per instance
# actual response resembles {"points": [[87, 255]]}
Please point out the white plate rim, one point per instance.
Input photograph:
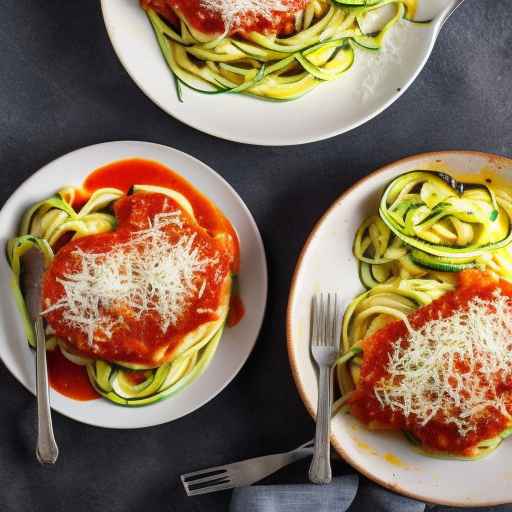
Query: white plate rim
{"points": [[265, 141], [263, 292], [292, 357]]}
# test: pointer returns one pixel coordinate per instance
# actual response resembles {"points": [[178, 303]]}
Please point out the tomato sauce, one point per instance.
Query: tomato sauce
{"points": [[123, 174], [136, 377], [68, 378], [436, 434], [236, 310], [207, 21]]}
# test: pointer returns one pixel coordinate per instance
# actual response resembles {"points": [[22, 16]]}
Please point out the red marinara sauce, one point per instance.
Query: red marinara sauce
{"points": [[210, 22], [123, 174], [236, 310], [437, 434], [68, 378]]}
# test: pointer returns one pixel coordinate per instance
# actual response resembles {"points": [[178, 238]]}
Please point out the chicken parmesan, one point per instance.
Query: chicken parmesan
{"points": [[279, 49], [139, 281], [445, 375], [133, 295]]}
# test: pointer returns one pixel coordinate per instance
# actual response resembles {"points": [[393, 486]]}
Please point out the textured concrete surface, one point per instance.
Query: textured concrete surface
{"points": [[61, 87]]}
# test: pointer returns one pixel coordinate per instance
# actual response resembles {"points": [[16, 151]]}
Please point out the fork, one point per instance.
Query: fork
{"points": [[247, 472], [324, 349]]}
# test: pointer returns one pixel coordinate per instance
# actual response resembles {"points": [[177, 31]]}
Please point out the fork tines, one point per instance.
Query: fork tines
{"points": [[325, 322], [206, 481]]}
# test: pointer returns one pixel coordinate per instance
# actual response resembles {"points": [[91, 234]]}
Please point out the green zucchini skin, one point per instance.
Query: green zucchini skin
{"points": [[439, 263], [103, 378], [366, 276], [367, 42]]}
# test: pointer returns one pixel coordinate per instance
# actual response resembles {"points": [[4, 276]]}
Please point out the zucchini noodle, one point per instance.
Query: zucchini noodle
{"points": [[280, 68], [43, 226], [429, 228]]}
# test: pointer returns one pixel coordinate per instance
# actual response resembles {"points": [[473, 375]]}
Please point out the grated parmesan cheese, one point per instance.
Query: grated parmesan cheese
{"points": [[233, 11], [148, 273], [452, 367]]}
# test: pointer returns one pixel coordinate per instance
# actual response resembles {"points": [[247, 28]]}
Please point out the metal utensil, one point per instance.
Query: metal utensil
{"points": [[32, 273], [324, 349], [238, 474]]}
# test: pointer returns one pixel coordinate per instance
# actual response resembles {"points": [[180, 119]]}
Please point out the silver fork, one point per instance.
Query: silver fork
{"points": [[324, 348], [247, 472]]}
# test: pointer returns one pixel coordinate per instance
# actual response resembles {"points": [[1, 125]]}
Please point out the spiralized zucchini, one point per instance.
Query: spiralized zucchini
{"points": [[267, 66], [43, 226], [429, 228]]}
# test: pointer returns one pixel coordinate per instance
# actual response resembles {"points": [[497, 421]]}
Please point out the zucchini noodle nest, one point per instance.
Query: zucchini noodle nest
{"points": [[321, 49]]}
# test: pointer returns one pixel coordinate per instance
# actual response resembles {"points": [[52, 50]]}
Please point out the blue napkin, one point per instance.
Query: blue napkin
{"points": [[344, 494], [296, 498], [371, 497]]}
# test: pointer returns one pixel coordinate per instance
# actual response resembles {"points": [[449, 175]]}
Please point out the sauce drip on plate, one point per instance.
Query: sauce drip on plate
{"points": [[236, 309], [68, 378]]}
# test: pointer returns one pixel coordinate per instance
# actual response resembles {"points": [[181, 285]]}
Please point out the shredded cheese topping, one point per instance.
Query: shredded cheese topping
{"points": [[233, 11], [451, 368], [148, 273]]}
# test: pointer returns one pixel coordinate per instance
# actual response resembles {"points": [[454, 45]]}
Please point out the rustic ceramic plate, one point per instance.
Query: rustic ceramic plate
{"points": [[327, 263]]}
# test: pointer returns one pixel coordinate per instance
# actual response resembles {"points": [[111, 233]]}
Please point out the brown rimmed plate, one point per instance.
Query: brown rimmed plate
{"points": [[326, 263]]}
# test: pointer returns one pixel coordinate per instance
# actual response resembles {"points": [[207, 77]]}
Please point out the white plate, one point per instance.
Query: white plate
{"points": [[236, 344], [327, 264], [331, 109]]}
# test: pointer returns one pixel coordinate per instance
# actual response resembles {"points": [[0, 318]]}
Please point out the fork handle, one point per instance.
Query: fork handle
{"points": [[320, 468], [47, 450]]}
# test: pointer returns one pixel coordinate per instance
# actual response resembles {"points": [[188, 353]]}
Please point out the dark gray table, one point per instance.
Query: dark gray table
{"points": [[61, 87]]}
